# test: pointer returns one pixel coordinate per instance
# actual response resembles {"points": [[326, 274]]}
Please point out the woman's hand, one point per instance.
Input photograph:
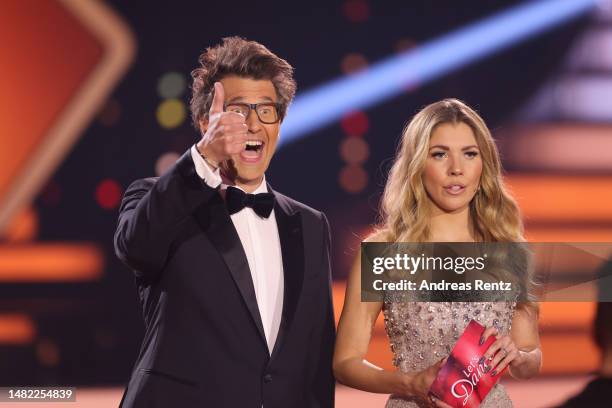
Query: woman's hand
{"points": [[501, 353], [417, 385]]}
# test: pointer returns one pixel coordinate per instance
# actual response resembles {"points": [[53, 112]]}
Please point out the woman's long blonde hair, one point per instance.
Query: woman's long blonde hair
{"points": [[405, 208]]}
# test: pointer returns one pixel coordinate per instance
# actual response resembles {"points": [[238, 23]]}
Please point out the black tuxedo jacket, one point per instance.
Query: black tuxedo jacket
{"points": [[204, 344]]}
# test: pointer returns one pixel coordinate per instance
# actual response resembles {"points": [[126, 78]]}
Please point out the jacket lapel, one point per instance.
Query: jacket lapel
{"points": [[289, 224], [224, 237]]}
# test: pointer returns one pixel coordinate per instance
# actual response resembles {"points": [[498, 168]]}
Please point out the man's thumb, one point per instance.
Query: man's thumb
{"points": [[218, 98]]}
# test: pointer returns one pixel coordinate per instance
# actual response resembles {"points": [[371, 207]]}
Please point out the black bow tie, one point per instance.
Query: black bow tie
{"points": [[261, 203]]}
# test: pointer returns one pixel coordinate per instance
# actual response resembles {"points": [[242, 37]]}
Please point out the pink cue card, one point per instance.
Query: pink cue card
{"points": [[462, 381]]}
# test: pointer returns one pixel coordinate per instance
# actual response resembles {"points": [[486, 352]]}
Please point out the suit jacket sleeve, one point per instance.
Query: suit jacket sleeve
{"points": [[322, 350], [151, 213]]}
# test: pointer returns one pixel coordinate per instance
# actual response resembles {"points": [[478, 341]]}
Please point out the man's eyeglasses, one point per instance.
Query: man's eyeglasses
{"points": [[267, 112]]}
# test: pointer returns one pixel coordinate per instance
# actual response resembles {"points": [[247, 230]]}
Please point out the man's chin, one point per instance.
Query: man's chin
{"points": [[248, 177], [236, 172]]}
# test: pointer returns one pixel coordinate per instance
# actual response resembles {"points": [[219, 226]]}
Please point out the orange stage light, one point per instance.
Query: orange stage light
{"points": [[544, 198], [50, 263], [16, 329], [61, 60]]}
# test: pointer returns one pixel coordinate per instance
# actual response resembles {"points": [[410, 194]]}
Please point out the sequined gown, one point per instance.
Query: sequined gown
{"points": [[422, 333]]}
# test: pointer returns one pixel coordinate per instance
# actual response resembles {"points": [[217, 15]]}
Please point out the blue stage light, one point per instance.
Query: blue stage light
{"points": [[316, 108]]}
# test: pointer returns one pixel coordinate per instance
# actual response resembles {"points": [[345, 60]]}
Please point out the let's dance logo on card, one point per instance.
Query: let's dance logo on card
{"points": [[462, 380]]}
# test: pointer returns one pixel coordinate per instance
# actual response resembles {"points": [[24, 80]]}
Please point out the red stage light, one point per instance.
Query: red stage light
{"points": [[356, 11], [108, 194], [355, 124]]}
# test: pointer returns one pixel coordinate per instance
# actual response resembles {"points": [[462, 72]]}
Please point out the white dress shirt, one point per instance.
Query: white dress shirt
{"points": [[261, 244]]}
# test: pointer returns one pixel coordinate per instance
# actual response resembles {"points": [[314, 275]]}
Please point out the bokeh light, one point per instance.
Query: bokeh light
{"points": [[108, 194], [353, 178], [356, 11], [47, 352], [404, 44], [354, 150], [171, 85], [355, 124], [165, 161], [353, 62], [24, 227], [171, 113]]}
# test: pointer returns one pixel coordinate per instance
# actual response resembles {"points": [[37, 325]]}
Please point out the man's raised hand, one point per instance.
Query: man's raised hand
{"points": [[226, 132]]}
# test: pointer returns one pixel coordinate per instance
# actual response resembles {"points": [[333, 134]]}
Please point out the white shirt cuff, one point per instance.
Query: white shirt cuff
{"points": [[210, 177]]}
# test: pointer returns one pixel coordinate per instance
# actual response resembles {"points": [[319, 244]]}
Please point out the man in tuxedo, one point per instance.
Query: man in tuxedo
{"points": [[232, 276]]}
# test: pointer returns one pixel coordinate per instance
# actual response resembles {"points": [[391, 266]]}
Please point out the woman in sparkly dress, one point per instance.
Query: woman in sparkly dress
{"points": [[445, 186]]}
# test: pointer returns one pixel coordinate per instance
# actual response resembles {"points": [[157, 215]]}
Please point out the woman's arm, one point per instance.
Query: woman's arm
{"points": [[519, 350], [354, 333], [527, 339]]}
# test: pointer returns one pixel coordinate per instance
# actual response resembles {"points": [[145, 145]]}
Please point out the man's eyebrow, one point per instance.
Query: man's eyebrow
{"points": [[241, 98], [443, 147]]}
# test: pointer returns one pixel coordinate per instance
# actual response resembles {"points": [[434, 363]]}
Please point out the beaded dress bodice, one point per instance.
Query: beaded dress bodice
{"points": [[422, 333]]}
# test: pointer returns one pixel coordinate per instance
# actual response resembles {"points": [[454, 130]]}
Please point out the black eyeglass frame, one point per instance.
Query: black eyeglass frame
{"points": [[253, 107]]}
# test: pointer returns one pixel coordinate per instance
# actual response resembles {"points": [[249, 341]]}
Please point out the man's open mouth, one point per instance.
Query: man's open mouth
{"points": [[254, 145], [253, 152]]}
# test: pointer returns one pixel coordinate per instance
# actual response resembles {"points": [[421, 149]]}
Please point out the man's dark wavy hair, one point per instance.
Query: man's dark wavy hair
{"points": [[247, 59]]}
